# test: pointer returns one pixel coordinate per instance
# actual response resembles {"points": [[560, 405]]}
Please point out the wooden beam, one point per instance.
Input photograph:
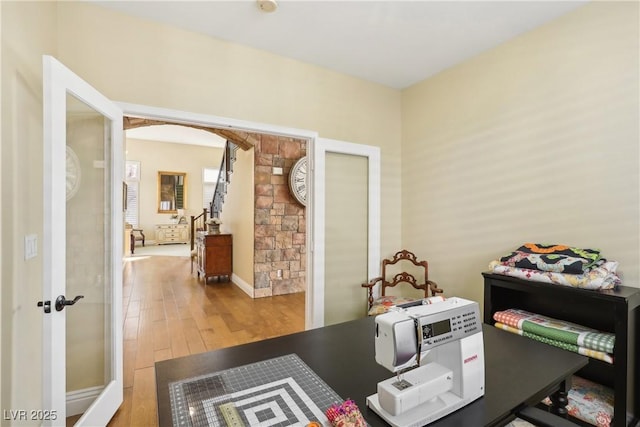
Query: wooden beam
{"points": [[242, 139]]}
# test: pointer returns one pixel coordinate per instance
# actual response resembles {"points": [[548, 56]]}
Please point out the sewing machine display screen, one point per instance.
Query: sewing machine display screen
{"points": [[436, 328]]}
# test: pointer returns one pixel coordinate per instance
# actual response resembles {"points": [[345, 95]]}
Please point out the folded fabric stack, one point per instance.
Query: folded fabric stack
{"points": [[566, 335], [347, 414], [559, 264]]}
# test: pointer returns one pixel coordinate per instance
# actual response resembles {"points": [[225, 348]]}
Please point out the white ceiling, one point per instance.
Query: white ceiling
{"points": [[394, 43]]}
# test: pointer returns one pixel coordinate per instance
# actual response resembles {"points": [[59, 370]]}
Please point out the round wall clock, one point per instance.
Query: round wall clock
{"points": [[298, 181], [73, 173]]}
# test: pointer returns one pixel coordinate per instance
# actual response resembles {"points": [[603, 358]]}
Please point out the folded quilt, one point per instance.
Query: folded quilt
{"points": [[557, 330], [600, 355], [601, 276], [590, 255], [547, 262]]}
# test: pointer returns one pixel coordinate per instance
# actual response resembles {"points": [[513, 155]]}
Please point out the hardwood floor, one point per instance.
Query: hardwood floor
{"points": [[169, 313]]}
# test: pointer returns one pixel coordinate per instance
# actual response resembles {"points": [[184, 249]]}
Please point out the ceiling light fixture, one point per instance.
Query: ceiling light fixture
{"points": [[267, 5]]}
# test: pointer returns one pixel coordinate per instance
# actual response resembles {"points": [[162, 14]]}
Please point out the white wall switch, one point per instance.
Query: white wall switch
{"points": [[30, 246], [277, 171]]}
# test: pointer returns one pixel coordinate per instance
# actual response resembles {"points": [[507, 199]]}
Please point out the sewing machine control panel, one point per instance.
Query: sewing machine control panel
{"points": [[454, 324]]}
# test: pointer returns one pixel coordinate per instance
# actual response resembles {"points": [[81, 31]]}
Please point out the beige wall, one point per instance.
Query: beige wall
{"points": [[536, 140], [28, 31], [190, 72], [237, 215], [157, 156], [2, 334], [22, 152]]}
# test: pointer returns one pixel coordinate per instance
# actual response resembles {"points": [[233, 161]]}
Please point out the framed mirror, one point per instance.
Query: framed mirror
{"points": [[172, 191]]}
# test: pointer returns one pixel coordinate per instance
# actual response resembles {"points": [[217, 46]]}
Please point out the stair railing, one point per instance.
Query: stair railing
{"points": [[198, 223], [224, 177]]}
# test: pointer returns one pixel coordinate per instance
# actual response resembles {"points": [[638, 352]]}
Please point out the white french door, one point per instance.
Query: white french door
{"points": [[82, 250], [346, 229]]}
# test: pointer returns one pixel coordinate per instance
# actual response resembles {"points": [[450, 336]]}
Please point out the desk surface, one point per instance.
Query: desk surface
{"points": [[519, 371]]}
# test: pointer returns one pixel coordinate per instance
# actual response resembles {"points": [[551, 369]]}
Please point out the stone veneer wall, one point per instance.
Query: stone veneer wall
{"points": [[280, 223]]}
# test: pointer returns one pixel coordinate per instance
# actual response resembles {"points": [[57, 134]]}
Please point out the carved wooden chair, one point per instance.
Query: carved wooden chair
{"points": [[136, 238], [384, 302]]}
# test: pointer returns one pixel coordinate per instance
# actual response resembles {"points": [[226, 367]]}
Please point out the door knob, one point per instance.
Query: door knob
{"points": [[61, 301]]}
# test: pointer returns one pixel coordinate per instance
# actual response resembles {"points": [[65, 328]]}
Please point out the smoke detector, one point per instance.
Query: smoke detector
{"points": [[267, 5]]}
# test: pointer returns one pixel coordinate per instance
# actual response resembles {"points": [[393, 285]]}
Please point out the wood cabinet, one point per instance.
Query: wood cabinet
{"points": [[214, 255], [614, 310], [172, 233]]}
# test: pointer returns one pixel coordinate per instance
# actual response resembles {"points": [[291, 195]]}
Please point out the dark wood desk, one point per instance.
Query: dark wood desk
{"points": [[519, 371]]}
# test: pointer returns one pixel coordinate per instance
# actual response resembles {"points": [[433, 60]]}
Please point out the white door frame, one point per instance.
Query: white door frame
{"points": [[185, 117], [316, 150], [315, 295]]}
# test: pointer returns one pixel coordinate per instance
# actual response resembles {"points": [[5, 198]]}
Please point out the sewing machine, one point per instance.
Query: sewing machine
{"points": [[438, 354]]}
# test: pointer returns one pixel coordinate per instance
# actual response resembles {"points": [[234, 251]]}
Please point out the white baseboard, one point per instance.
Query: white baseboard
{"points": [[244, 286], [78, 401]]}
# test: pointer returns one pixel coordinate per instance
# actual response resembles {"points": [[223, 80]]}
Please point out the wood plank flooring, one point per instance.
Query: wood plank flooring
{"points": [[169, 313]]}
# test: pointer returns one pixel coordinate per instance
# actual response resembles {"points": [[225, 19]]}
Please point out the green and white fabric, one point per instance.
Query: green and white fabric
{"points": [[557, 330]]}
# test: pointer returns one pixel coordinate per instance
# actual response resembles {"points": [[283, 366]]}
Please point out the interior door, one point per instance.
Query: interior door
{"points": [[346, 229], [82, 250]]}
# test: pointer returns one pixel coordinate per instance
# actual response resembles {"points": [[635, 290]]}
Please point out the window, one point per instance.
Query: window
{"points": [[209, 181], [131, 214], [132, 179]]}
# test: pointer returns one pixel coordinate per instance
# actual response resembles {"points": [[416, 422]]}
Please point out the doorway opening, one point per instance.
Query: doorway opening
{"points": [[273, 247]]}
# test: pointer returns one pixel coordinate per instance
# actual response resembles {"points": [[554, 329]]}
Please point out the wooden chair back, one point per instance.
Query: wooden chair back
{"points": [[423, 283]]}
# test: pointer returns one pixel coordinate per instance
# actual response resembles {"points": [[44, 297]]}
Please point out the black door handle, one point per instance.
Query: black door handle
{"points": [[61, 302]]}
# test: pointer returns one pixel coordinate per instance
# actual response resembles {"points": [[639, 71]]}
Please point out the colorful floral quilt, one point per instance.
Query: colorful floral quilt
{"points": [[543, 262], [555, 258], [590, 255], [590, 402], [383, 304], [602, 276], [560, 265]]}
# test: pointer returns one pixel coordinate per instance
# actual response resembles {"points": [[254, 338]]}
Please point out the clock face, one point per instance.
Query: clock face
{"points": [[298, 181], [73, 173]]}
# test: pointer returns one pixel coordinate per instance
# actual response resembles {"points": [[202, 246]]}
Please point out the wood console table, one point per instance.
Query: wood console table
{"points": [[214, 255], [172, 233]]}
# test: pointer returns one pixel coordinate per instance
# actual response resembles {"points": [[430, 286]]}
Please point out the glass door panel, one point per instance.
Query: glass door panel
{"points": [[345, 217], [88, 243]]}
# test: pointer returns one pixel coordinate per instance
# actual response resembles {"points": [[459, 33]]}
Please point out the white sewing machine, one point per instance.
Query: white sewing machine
{"points": [[444, 340]]}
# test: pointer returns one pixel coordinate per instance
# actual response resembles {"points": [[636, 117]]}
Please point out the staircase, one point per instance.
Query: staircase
{"points": [[215, 207], [224, 177]]}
